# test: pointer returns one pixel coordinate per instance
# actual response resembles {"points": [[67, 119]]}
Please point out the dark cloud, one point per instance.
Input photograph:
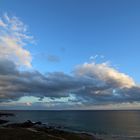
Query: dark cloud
{"points": [[7, 67], [90, 83], [15, 84]]}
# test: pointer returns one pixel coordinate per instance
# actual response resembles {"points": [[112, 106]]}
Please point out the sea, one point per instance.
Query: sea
{"points": [[114, 123]]}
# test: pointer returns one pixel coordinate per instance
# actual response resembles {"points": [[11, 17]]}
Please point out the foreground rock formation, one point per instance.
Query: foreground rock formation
{"points": [[38, 131]]}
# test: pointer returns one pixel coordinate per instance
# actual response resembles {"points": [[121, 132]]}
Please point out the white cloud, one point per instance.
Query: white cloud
{"points": [[93, 57], [105, 73], [2, 24], [13, 38]]}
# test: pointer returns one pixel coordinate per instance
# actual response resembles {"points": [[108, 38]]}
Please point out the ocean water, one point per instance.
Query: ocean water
{"points": [[122, 123]]}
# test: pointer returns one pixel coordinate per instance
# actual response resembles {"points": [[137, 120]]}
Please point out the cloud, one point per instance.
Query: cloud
{"points": [[95, 57], [106, 85], [105, 74], [2, 24], [53, 58], [49, 57], [89, 83], [13, 37], [15, 84]]}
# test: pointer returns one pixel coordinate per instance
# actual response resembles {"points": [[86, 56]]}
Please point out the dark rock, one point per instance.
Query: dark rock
{"points": [[28, 123], [38, 123], [3, 121]]}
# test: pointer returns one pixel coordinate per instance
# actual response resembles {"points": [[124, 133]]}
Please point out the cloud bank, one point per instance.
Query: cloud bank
{"points": [[89, 83]]}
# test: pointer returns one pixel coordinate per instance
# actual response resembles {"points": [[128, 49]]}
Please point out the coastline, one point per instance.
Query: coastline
{"points": [[29, 129], [37, 131]]}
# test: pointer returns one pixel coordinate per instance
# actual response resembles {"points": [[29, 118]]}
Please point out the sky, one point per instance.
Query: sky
{"points": [[69, 54]]}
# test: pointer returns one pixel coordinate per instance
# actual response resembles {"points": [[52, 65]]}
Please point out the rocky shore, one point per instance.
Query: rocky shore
{"points": [[29, 130], [37, 131], [5, 115]]}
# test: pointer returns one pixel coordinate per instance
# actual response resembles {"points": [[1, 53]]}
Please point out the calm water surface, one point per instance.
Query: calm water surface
{"points": [[110, 122]]}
